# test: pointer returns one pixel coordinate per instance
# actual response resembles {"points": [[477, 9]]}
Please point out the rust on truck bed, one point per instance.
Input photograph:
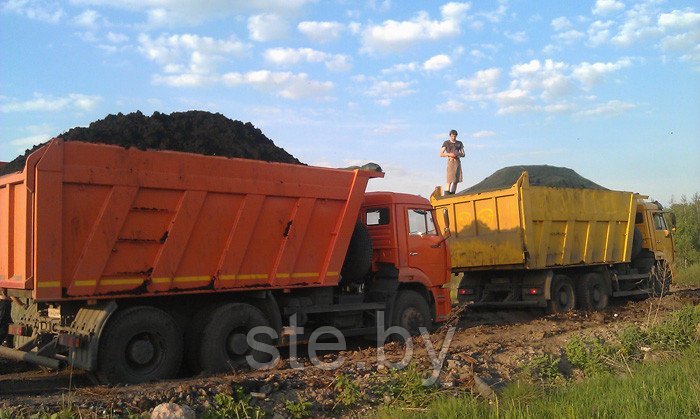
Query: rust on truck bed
{"points": [[82, 215]]}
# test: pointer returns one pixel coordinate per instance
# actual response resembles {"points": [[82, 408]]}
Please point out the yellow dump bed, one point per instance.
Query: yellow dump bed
{"points": [[536, 227]]}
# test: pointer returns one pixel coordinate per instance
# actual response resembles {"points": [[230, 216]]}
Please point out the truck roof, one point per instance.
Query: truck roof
{"points": [[385, 197]]}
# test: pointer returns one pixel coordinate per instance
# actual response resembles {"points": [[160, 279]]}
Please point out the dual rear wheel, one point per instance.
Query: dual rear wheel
{"points": [[589, 293]]}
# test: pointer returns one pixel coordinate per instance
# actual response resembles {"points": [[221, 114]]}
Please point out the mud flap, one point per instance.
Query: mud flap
{"points": [[90, 322]]}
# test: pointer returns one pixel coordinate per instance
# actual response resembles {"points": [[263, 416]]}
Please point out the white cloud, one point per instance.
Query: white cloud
{"points": [[43, 11], [546, 76], [284, 84], [606, 7], [518, 109], [88, 19], [438, 62], [452, 106], [394, 35], [117, 38], [484, 134], [569, 37], [291, 56], [27, 142], [514, 97], [594, 74], [679, 20], [398, 68], [267, 27], [193, 12], [599, 32], [611, 108], [483, 82], [561, 23], [48, 103], [386, 91], [639, 24], [321, 31], [189, 54], [517, 37]]}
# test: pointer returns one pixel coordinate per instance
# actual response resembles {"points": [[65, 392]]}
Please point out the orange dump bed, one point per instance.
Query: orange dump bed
{"points": [[86, 221]]}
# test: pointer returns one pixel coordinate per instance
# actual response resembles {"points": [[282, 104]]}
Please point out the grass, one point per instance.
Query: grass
{"points": [[616, 383], [663, 389], [688, 275]]}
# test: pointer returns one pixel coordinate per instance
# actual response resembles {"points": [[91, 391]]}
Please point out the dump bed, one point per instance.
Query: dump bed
{"points": [[536, 227], [85, 221]]}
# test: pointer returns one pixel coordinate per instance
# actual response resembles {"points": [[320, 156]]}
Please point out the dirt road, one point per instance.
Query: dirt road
{"points": [[489, 344]]}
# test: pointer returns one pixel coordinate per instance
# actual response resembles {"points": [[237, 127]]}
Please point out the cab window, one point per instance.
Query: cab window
{"points": [[420, 222], [377, 216], [659, 222]]}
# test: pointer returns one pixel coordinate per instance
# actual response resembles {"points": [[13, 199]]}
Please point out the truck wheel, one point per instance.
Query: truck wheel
{"points": [[358, 260], [193, 337], [224, 338], [591, 292], [411, 312], [660, 279], [139, 344], [562, 295]]}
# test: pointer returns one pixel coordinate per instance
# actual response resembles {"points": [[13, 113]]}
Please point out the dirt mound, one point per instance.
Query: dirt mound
{"points": [[192, 132], [540, 175]]}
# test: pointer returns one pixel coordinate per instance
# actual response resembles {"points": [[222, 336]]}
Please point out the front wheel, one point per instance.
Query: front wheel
{"points": [[140, 344], [411, 312], [562, 295]]}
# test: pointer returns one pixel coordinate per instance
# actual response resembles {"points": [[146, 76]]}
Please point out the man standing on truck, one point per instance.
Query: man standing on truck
{"points": [[453, 150]]}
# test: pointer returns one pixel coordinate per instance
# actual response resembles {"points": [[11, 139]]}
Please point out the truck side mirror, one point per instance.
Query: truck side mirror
{"points": [[446, 218]]}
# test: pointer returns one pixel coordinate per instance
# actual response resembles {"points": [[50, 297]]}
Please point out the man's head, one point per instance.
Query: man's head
{"points": [[453, 133]]}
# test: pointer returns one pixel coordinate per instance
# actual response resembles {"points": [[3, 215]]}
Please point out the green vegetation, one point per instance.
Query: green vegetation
{"points": [[687, 239], [233, 406], [348, 392], [404, 388], [616, 382], [298, 409]]}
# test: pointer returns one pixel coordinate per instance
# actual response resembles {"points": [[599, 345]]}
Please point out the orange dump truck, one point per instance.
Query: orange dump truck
{"points": [[130, 263]]}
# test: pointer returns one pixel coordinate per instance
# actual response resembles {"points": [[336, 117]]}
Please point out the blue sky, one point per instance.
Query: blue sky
{"points": [[608, 88]]}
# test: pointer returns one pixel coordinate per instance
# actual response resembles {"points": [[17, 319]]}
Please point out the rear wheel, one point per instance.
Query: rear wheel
{"points": [[224, 338], [411, 312], [562, 295], [139, 344], [592, 292]]}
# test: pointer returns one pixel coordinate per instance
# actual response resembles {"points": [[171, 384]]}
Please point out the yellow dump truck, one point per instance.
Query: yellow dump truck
{"points": [[562, 248]]}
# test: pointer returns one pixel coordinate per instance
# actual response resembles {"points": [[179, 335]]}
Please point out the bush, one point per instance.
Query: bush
{"points": [[544, 367], [678, 331]]}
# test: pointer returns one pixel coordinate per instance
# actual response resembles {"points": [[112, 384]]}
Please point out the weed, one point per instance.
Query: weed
{"points": [[544, 367], [349, 393], [236, 405], [298, 409], [632, 338], [677, 331], [589, 355], [405, 387]]}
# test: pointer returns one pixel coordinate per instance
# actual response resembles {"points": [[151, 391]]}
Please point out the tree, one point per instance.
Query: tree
{"points": [[687, 234]]}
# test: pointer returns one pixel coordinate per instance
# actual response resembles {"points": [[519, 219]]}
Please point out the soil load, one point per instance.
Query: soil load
{"points": [[197, 132], [539, 175]]}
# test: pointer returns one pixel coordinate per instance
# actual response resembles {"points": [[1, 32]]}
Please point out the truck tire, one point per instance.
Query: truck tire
{"points": [[637, 240], [358, 260], [193, 337], [592, 292], [139, 344], [562, 295], [660, 279], [5, 319], [411, 311], [224, 338]]}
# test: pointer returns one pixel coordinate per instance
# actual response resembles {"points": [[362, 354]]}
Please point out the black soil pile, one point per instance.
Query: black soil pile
{"points": [[192, 132], [540, 175]]}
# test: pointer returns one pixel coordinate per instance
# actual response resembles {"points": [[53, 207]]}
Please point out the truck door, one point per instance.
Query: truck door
{"points": [[663, 240], [425, 250]]}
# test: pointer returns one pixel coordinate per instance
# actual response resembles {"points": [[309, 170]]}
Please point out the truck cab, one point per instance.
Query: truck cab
{"points": [[408, 245], [656, 226]]}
